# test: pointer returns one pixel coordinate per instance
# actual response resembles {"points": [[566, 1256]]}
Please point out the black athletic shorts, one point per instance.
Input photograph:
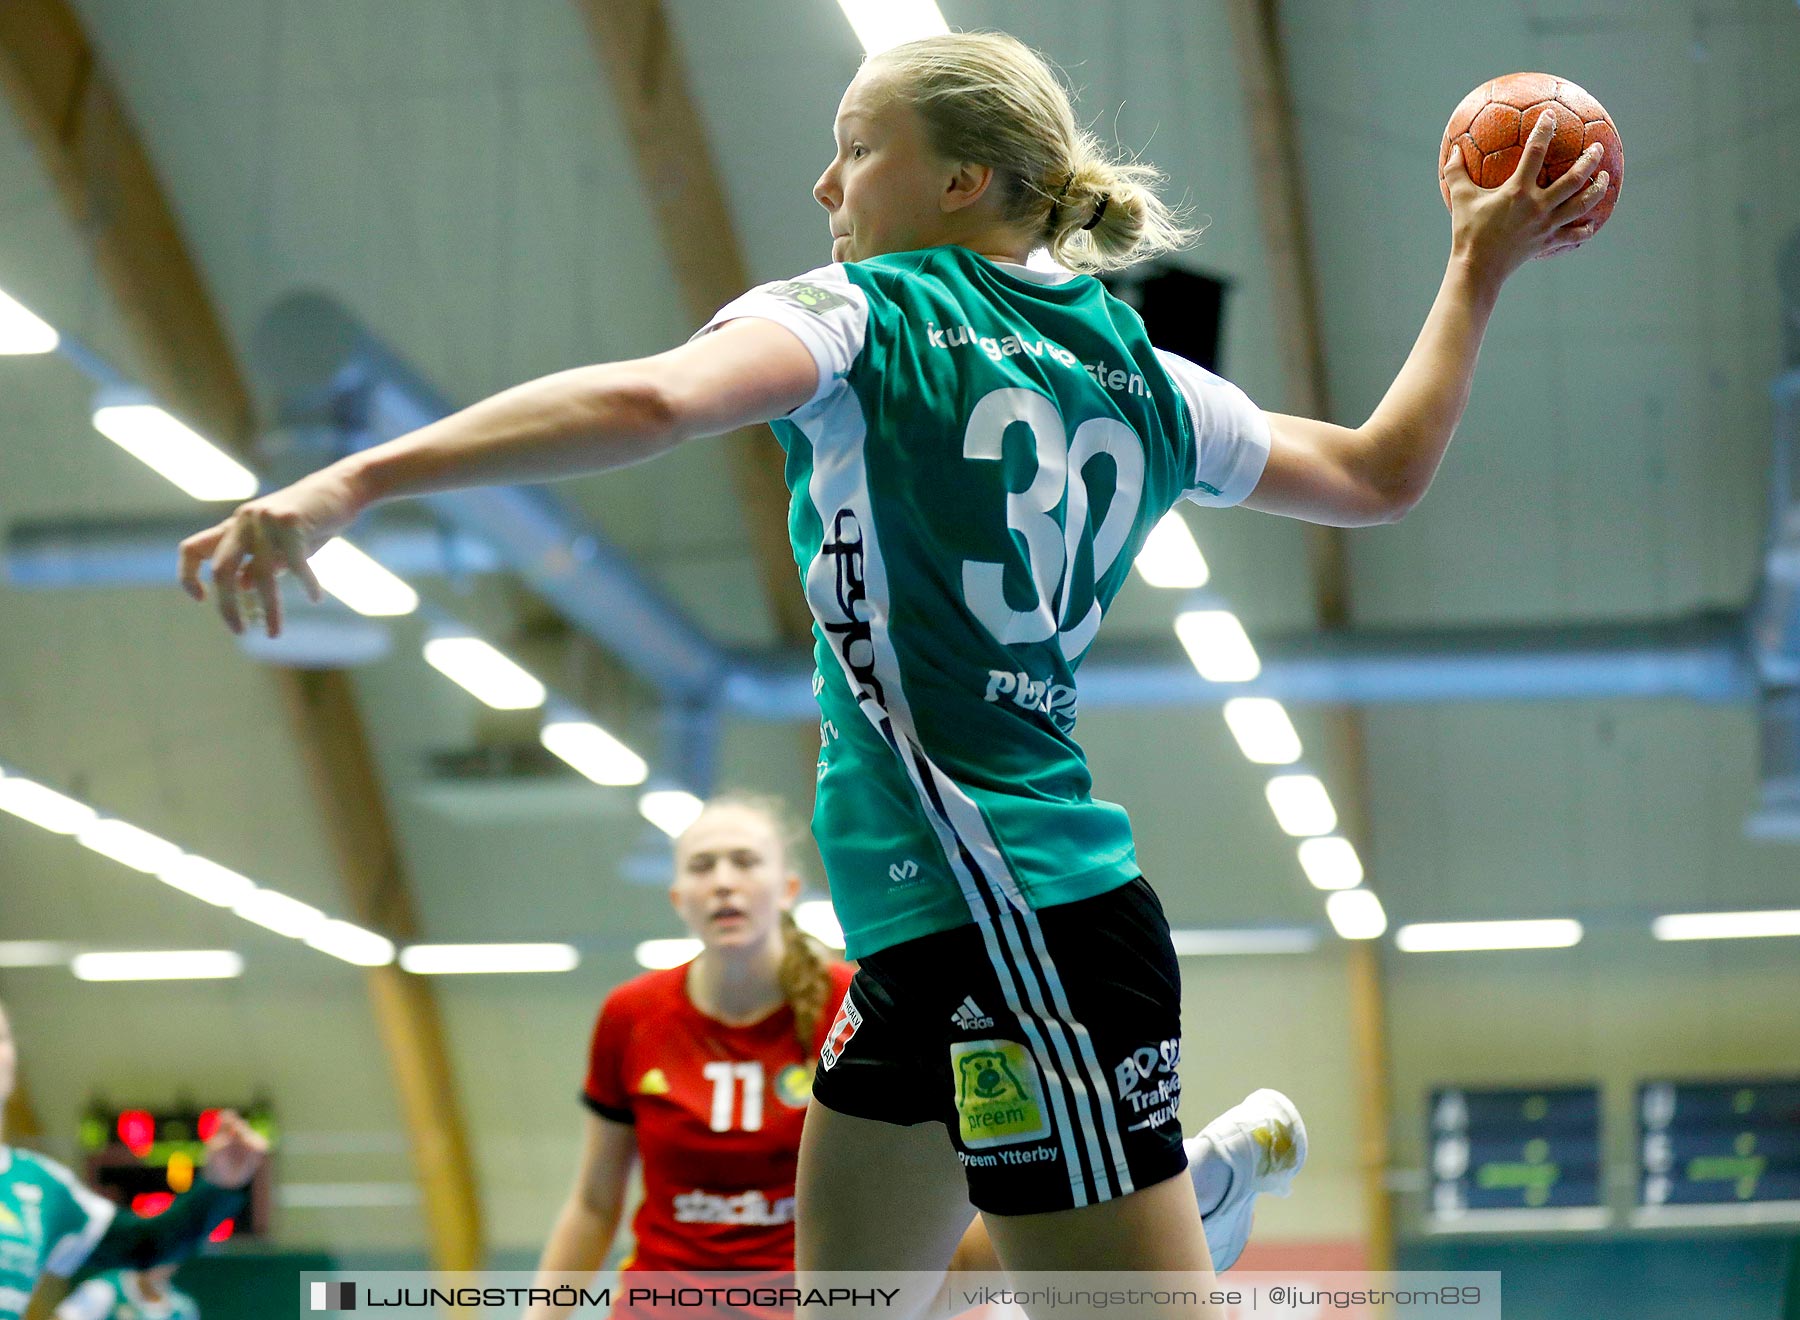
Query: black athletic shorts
{"points": [[1045, 1043]]}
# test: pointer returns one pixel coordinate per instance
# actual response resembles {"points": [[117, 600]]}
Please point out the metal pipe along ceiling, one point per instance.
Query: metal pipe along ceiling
{"points": [[325, 372], [1704, 657], [331, 379]]}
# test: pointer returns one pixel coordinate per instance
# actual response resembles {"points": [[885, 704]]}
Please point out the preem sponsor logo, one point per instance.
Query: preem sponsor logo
{"points": [[999, 1098], [995, 1158], [1000, 347], [1148, 1085], [752, 1208]]}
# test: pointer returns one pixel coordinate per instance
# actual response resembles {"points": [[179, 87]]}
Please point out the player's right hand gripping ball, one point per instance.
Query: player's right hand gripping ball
{"points": [[1494, 120]]}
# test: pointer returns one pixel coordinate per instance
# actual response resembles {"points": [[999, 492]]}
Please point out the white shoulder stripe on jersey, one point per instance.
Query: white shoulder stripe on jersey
{"points": [[1231, 434], [970, 826], [1008, 909], [1009, 928], [824, 309], [67, 1253]]}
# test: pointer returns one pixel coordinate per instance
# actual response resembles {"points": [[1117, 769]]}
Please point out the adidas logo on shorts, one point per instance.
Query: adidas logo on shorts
{"points": [[968, 1017]]}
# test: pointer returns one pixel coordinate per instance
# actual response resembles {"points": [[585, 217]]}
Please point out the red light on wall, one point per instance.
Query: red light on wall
{"points": [[208, 1124], [137, 1130], [148, 1205], [225, 1229]]}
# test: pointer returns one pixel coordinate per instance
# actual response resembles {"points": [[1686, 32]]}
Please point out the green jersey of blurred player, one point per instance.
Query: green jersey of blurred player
{"points": [[129, 1295], [51, 1224]]}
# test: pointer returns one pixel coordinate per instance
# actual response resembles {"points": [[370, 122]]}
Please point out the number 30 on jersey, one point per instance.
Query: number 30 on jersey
{"points": [[1052, 547]]}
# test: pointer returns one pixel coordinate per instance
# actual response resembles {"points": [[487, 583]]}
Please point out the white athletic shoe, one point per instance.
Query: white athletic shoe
{"points": [[1263, 1141]]}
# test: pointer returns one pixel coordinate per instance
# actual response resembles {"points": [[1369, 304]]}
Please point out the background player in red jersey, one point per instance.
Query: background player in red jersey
{"points": [[700, 1074]]}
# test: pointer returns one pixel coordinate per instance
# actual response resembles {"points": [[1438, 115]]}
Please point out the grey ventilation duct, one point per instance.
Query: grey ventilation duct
{"points": [[337, 388]]}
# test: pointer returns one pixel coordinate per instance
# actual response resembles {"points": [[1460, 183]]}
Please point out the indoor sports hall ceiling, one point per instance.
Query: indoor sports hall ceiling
{"points": [[456, 174]]}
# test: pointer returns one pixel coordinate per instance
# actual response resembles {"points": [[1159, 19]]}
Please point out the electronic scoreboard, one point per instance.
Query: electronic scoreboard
{"points": [[1515, 1159], [1722, 1152], [144, 1158]]}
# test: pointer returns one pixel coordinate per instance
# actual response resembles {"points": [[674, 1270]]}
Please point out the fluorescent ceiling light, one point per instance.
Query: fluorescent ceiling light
{"points": [[351, 943], [458, 959], [207, 881], [595, 752], [21, 332], [671, 810], [881, 24], [1263, 730], [43, 807], [279, 913], [1460, 936], [1725, 925], [1356, 914], [1208, 943], [1218, 646], [174, 451], [660, 954], [1169, 557], [1301, 805], [819, 919], [161, 965], [33, 953], [361, 582], [484, 673], [1331, 863], [128, 845]]}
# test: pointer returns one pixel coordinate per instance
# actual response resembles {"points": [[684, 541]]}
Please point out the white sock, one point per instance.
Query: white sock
{"points": [[1211, 1174]]}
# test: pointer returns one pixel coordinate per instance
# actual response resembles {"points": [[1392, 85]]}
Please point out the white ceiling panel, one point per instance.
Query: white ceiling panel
{"points": [[1617, 383]]}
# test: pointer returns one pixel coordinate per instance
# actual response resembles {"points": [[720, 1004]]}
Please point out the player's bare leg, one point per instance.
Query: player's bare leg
{"points": [[877, 1196], [1154, 1228]]}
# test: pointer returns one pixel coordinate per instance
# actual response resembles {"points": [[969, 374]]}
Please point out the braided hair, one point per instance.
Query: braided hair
{"points": [[988, 99]]}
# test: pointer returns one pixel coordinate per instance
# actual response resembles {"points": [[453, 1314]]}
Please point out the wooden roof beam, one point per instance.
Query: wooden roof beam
{"points": [[638, 53], [1281, 206], [110, 193]]}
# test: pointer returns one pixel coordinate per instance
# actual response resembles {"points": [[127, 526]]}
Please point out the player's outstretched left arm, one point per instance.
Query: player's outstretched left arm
{"points": [[233, 1154], [586, 420], [1351, 477]]}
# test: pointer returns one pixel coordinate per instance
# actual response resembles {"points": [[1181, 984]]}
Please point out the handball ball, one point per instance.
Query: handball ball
{"points": [[1494, 120]]}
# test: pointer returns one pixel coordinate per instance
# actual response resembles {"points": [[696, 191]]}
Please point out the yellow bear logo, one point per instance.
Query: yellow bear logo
{"points": [[998, 1099]]}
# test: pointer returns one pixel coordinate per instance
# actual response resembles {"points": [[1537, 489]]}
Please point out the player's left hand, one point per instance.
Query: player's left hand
{"points": [[234, 1152], [261, 539], [1497, 230]]}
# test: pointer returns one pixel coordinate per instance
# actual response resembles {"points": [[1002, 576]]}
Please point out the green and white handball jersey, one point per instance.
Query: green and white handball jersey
{"points": [[49, 1224], [117, 1295], [987, 450]]}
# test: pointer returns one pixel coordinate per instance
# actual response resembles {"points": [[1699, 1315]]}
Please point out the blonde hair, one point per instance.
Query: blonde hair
{"points": [[805, 971], [989, 99]]}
